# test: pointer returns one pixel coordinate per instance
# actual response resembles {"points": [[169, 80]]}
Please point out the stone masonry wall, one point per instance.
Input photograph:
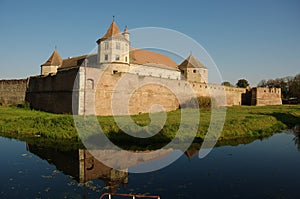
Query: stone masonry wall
{"points": [[133, 94], [52, 93], [266, 96], [127, 93], [12, 92]]}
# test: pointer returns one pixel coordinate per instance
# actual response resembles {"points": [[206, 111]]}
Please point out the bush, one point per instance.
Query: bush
{"points": [[25, 105], [203, 102]]}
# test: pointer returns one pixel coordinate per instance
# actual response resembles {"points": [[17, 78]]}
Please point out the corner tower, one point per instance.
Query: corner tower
{"points": [[193, 70], [52, 64], [114, 46]]}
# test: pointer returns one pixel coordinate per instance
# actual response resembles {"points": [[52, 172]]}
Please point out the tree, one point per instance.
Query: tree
{"points": [[242, 83], [226, 83], [295, 88], [262, 83]]}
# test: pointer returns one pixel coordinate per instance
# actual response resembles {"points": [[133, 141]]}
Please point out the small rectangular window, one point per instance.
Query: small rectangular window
{"points": [[105, 45], [194, 71], [118, 46], [106, 57], [117, 57]]}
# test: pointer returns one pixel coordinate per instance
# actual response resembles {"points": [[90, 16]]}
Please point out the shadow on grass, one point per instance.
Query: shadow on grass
{"points": [[128, 142], [288, 119]]}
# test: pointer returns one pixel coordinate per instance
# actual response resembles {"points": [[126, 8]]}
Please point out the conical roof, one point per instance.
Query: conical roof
{"points": [[54, 60], [112, 30], [191, 62]]}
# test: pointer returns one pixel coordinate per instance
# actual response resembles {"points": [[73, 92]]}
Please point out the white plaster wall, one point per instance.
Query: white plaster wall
{"points": [[112, 51], [81, 87], [145, 70]]}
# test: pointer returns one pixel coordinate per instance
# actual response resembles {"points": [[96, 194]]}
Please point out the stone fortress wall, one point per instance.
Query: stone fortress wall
{"points": [[265, 96], [12, 92], [53, 93]]}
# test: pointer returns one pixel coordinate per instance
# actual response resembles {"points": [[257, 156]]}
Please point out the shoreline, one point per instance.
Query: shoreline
{"points": [[241, 122]]}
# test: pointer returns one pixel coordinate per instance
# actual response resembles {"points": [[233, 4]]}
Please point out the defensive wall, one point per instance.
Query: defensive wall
{"points": [[12, 92], [143, 92], [52, 93], [87, 90], [265, 96], [96, 91]]}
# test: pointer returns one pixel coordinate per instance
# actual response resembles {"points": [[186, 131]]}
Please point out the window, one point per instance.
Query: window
{"points": [[105, 45], [125, 59], [90, 84], [182, 72], [194, 71], [117, 57], [106, 57], [115, 71], [118, 46]]}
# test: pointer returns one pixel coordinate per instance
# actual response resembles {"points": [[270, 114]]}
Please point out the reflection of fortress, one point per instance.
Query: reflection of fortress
{"points": [[115, 60], [81, 165]]}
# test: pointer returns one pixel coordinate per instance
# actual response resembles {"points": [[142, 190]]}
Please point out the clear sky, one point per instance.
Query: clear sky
{"points": [[254, 39]]}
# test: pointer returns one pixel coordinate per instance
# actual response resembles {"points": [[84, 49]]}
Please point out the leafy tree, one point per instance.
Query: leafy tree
{"points": [[226, 83], [242, 83]]}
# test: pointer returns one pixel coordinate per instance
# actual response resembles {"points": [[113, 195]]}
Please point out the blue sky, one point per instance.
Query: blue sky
{"points": [[257, 39]]}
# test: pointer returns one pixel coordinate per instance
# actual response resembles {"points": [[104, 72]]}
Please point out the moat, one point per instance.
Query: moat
{"points": [[264, 168]]}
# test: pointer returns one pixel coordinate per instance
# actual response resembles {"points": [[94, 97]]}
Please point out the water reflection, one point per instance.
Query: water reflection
{"points": [[296, 131], [82, 166], [266, 166]]}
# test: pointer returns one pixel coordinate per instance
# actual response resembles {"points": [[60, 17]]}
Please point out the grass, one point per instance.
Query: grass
{"points": [[241, 122]]}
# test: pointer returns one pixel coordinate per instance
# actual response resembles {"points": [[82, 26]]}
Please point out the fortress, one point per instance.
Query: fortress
{"points": [[89, 84]]}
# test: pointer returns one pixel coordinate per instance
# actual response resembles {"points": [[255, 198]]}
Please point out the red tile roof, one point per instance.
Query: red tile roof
{"points": [[54, 60], [141, 56], [112, 31], [191, 62], [73, 61]]}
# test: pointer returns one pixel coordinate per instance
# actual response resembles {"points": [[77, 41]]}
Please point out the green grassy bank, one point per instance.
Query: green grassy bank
{"points": [[241, 122]]}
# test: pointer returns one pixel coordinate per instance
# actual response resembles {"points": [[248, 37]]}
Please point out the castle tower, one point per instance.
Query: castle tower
{"points": [[193, 70], [51, 65], [113, 47]]}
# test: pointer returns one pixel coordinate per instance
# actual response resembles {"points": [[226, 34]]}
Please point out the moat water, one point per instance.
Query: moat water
{"points": [[264, 168]]}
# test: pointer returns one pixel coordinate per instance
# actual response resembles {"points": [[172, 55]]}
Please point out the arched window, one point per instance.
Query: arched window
{"points": [[90, 84]]}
